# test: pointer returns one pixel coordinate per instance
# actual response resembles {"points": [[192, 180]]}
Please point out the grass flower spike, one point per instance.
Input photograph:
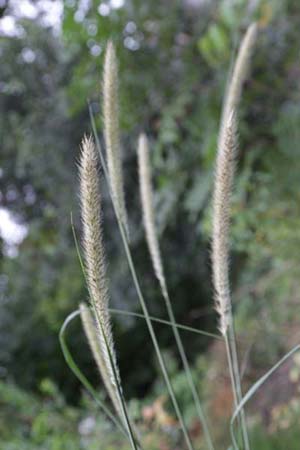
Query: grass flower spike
{"points": [[111, 131], [92, 235], [225, 168], [148, 210], [94, 252]]}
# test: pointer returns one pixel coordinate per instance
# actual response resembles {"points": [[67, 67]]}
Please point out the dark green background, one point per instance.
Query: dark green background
{"points": [[174, 61]]}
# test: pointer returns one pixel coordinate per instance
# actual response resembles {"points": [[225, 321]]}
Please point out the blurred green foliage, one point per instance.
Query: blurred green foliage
{"points": [[174, 62], [47, 422]]}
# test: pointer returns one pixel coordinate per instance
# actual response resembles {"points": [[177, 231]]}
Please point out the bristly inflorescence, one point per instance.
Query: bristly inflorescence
{"points": [[112, 133], [148, 209], [94, 254], [225, 169]]}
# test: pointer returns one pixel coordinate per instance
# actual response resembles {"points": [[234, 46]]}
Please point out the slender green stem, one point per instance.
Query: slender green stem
{"points": [[231, 372], [166, 322], [141, 298], [236, 370], [232, 359], [187, 370]]}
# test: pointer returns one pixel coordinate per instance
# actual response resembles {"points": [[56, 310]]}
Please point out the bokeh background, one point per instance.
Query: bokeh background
{"points": [[174, 61]]}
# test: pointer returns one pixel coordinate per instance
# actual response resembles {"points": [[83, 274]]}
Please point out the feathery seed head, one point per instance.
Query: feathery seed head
{"points": [[224, 174], [112, 132], [91, 220], [225, 168], [94, 250], [148, 209]]}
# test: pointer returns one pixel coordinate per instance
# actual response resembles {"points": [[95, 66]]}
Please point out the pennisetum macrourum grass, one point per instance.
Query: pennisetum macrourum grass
{"points": [[153, 245], [95, 271], [224, 175], [116, 190], [96, 320], [93, 244]]}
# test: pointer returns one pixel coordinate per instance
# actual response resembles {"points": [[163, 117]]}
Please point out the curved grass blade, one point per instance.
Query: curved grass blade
{"points": [[255, 388], [81, 377], [166, 322]]}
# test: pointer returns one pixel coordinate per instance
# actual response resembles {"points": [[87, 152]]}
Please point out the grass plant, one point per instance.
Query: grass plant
{"points": [[96, 317]]}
